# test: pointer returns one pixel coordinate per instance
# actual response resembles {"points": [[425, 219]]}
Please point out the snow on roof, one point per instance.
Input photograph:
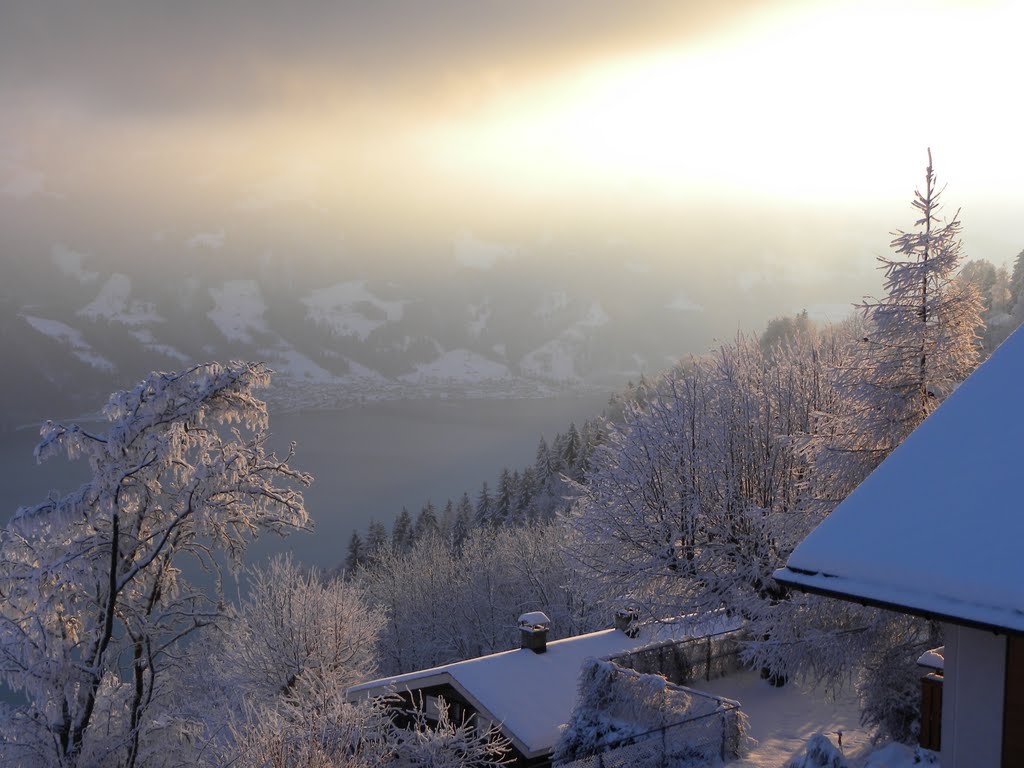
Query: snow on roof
{"points": [[532, 694], [936, 528]]}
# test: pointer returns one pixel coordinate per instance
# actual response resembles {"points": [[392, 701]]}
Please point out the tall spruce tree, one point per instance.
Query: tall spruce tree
{"points": [[401, 532], [920, 344]]}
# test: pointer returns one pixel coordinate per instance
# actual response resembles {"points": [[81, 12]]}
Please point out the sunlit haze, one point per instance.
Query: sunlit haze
{"points": [[748, 159]]}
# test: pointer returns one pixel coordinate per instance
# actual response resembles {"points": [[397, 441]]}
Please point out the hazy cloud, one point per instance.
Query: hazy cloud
{"points": [[143, 56]]}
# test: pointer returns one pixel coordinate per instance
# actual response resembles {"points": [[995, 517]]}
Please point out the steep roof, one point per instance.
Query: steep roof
{"points": [[937, 529], [531, 695]]}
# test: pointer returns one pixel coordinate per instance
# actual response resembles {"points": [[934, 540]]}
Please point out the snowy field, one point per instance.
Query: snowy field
{"points": [[783, 719]]}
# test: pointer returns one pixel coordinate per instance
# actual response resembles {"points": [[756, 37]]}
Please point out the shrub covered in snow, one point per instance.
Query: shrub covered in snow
{"points": [[616, 705], [820, 753]]}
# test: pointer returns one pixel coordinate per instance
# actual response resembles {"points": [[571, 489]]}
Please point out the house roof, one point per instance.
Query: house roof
{"points": [[532, 695], [937, 528]]}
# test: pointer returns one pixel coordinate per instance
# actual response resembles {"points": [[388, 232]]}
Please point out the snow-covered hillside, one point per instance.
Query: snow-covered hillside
{"points": [[332, 336]]}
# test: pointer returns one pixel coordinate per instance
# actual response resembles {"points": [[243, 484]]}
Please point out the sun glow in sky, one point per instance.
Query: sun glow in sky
{"points": [[835, 101], [421, 121]]}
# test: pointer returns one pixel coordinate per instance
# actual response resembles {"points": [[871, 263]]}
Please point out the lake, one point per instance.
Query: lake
{"points": [[368, 460]]}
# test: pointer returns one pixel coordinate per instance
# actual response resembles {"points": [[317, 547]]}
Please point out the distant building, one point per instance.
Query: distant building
{"points": [[938, 531], [530, 692]]}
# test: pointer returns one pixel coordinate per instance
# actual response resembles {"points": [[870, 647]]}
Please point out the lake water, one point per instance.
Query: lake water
{"points": [[368, 460]]}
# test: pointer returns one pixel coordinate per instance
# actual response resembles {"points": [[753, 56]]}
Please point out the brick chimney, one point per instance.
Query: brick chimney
{"points": [[533, 631], [628, 620]]}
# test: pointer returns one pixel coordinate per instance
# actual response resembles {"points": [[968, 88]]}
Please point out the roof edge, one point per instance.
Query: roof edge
{"points": [[807, 581]]}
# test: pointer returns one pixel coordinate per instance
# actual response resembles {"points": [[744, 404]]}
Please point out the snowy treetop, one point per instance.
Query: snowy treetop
{"points": [[936, 528]]}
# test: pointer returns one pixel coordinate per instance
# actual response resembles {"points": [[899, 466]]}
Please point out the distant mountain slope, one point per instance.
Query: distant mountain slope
{"points": [[77, 325]]}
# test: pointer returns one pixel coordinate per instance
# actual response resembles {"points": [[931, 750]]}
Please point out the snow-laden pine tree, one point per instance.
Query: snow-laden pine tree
{"points": [[920, 344], [95, 602]]}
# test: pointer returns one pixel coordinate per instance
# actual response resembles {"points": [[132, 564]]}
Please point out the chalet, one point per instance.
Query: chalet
{"points": [[937, 530], [530, 692]]}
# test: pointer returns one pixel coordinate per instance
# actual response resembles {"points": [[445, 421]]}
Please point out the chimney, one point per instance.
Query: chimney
{"points": [[533, 631], [627, 620]]}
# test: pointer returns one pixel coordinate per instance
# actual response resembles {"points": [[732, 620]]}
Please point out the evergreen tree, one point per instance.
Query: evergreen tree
{"points": [[463, 522], [920, 344], [426, 523], [376, 539], [401, 532], [524, 509], [1017, 278], [543, 466], [447, 522], [356, 553], [483, 505], [571, 448], [502, 507]]}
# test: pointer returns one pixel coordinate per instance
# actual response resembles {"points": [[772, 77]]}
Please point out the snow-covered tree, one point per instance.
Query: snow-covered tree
{"points": [[920, 344], [96, 604], [341, 735], [285, 656], [442, 607], [1017, 279], [442, 742], [299, 637], [690, 504]]}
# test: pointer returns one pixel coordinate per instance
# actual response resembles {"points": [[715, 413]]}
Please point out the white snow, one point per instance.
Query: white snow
{"points": [[238, 310], [933, 659], [531, 695], [72, 338], [339, 309], [114, 304], [458, 365], [480, 254], [211, 240], [682, 303], [894, 756], [782, 720], [70, 262], [937, 527]]}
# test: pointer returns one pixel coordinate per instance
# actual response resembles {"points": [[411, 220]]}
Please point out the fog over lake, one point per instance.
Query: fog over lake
{"points": [[368, 461]]}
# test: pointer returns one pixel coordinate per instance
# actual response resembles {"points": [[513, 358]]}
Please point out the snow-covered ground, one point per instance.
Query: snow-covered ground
{"points": [[783, 719]]}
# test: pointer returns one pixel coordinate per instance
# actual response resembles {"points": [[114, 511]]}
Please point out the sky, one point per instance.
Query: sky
{"points": [[741, 143]]}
